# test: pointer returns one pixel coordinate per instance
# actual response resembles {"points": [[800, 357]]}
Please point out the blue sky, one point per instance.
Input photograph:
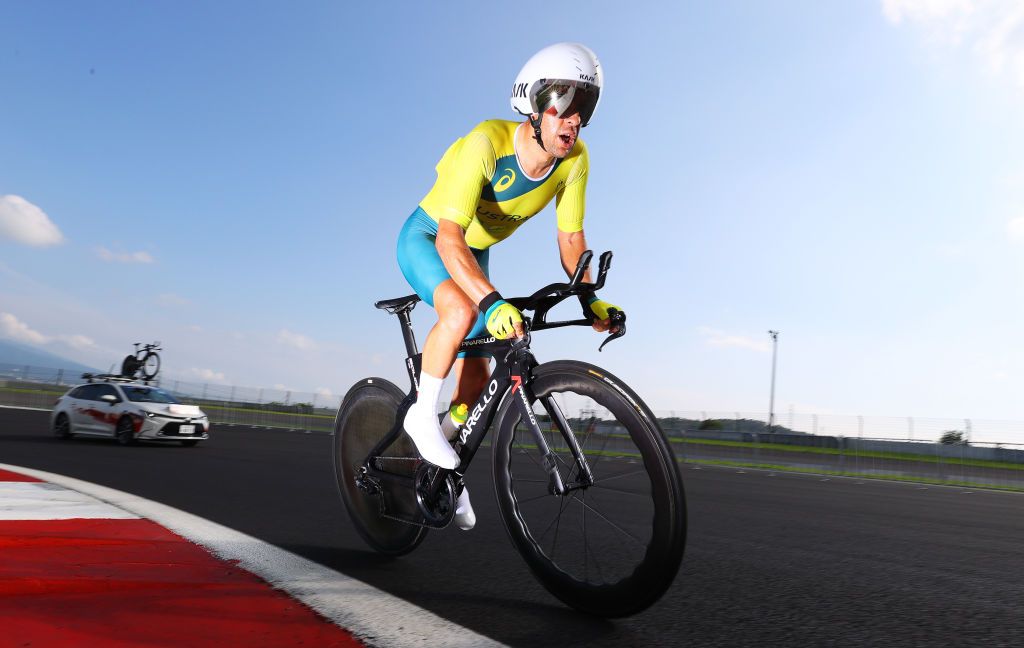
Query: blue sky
{"points": [[229, 178]]}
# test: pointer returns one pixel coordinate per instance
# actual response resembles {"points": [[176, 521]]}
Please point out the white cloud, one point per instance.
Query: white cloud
{"points": [[1015, 229], [23, 222], [994, 29], [170, 300], [920, 10], [79, 342], [323, 391], [208, 375], [124, 257], [721, 339], [296, 340], [15, 329]]}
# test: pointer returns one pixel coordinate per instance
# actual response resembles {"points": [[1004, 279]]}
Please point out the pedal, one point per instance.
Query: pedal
{"points": [[367, 485]]}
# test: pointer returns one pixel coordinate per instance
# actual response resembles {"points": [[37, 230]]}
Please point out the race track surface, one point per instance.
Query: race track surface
{"points": [[771, 559]]}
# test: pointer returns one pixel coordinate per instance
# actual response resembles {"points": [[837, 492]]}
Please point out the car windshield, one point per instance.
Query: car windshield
{"points": [[148, 395]]}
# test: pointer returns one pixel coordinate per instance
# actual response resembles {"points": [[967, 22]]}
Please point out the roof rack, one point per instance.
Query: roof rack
{"points": [[91, 377]]}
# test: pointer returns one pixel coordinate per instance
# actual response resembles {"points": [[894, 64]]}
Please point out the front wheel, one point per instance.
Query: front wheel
{"points": [[125, 432], [150, 365], [368, 413], [610, 547]]}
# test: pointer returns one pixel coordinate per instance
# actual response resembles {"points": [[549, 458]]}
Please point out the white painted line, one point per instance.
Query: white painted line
{"points": [[375, 617], [41, 501], [30, 409]]}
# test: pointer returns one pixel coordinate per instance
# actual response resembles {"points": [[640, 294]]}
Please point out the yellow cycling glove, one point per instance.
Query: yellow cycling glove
{"points": [[600, 307], [500, 316]]}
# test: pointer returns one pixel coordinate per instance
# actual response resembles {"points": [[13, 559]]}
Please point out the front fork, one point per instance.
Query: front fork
{"points": [[549, 461]]}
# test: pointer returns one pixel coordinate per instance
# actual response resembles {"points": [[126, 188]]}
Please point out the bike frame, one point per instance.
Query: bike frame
{"points": [[511, 377]]}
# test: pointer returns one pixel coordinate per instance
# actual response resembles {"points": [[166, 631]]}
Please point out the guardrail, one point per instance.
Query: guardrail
{"points": [[739, 441]]}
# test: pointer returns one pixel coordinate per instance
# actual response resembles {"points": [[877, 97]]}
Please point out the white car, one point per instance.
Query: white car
{"points": [[129, 412]]}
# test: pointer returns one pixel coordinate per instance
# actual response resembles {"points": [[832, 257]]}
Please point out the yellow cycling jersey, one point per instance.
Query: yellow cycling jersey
{"points": [[481, 186]]}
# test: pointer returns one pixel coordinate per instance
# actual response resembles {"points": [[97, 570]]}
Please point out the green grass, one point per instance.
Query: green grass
{"points": [[23, 390], [868, 454], [207, 406], [809, 471], [844, 473]]}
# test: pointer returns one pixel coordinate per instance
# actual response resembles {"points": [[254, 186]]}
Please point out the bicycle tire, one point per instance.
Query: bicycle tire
{"points": [[366, 415], [150, 365], [630, 569]]}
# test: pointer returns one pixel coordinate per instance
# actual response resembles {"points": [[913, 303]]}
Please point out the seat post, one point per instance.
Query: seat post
{"points": [[407, 334]]}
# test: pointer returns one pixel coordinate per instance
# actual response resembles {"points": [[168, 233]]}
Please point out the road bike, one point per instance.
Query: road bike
{"points": [[587, 485], [144, 363]]}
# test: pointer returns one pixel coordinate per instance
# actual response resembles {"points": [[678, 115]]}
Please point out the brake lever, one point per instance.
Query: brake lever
{"points": [[521, 343], [618, 323]]}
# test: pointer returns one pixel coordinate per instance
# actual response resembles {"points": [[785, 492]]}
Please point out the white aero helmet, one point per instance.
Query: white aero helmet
{"points": [[565, 76]]}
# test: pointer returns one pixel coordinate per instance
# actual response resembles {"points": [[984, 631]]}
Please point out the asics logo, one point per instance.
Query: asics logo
{"points": [[505, 181]]}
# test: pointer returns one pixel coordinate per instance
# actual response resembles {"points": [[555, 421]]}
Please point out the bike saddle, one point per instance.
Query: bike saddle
{"points": [[398, 304]]}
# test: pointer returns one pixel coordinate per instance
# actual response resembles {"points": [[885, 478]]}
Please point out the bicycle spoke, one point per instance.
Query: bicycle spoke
{"points": [[603, 480], [645, 495], [586, 545], [561, 509], [610, 523], [587, 551], [533, 499], [558, 516]]}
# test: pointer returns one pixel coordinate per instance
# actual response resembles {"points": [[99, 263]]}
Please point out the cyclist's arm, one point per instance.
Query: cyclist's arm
{"points": [[461, 182], [571, 246], [460, 262]]}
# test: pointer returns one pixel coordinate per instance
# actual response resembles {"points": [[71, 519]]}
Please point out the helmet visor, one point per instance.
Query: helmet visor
{"points": [[564, 98]]}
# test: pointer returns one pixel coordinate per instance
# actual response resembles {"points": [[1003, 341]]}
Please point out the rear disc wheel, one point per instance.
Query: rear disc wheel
{"points": [[368, 413]]}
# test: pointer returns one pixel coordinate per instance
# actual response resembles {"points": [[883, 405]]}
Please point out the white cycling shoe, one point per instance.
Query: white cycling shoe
{"points": [[464, 518], [431, 443]]}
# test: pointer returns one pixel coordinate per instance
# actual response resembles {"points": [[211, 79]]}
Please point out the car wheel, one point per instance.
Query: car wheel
{"points": [[62, 427], [125, 431], [190, 443]]}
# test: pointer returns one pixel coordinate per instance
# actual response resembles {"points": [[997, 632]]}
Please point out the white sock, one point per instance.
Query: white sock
{"points": [[423, 428], [465, 518]]}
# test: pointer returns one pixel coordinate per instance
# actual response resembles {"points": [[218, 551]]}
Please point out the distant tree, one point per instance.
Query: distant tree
{"points": [[711, 424], [952, 437]]}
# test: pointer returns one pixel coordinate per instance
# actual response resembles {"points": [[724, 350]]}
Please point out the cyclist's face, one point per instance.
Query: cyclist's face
{"points": [[559, 133]]}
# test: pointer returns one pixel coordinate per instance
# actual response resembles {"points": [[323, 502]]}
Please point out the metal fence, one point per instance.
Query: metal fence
{"points": [[39, 387], [989, 453]]}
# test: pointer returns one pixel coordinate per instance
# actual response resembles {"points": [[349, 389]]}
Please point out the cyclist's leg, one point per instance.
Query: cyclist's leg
{"points": [[473, 367], [471, 375], [423, 268]]}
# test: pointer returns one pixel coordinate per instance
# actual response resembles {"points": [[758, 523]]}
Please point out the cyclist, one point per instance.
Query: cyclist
{"points": [[488, 184]]}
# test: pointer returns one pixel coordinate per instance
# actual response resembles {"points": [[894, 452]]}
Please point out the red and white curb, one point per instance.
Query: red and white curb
{"points": [[40, 511]]}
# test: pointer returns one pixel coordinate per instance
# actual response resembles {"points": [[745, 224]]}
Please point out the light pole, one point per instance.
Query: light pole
{"points": [[771, 401]]}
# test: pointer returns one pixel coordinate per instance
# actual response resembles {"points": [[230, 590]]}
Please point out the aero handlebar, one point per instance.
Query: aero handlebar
{"points": [[551, 295]]}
